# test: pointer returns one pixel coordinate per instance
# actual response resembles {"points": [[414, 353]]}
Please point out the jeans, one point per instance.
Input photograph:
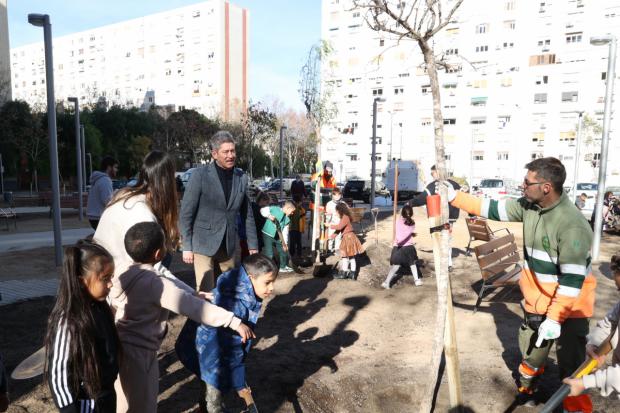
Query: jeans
{"points": [[269, 243]]}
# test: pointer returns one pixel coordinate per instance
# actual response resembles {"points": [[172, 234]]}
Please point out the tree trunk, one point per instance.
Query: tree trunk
{"points": [[251, 163], [441, 246]]}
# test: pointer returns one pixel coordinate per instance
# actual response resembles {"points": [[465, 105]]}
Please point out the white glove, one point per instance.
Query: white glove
{"points": [[451, 191], [548, 330]]}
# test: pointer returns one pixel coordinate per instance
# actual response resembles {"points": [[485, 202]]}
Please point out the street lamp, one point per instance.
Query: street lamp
{"points": [[78, 149], [282, 129], [577, 155], [43, 20], [374, 151], [83, 139], [611, 74]]}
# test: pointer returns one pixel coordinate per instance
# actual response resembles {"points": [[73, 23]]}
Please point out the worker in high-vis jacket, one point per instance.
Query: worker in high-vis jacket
{"points": [[556, 280]]}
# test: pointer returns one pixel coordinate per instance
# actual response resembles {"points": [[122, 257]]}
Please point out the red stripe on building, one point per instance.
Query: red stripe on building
{"points": [[245, 60], [226, 61]]}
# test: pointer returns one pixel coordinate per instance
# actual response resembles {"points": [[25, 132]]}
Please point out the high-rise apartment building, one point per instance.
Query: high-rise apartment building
{"points": [[5, 67], [519, 73], [193, 57]]}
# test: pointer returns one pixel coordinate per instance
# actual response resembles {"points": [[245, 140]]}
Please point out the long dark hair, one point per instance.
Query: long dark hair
{"points": [[407, 214], [156, 180], [73, 309], [343, 210]]}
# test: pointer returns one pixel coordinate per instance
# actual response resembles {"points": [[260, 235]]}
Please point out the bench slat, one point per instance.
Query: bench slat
{"points": [[494, 244], [496, 256]]}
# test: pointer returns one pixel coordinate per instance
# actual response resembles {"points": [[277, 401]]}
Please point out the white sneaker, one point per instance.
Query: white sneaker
{"points": [[385, 285], [418, 282], [286, 269]]}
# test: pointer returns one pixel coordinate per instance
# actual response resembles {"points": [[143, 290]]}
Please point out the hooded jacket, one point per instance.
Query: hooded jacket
{"points": [[99, 195], [220, 351]]}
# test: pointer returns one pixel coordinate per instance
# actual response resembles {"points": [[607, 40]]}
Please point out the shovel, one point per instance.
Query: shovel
{"points": [[288, 252]]}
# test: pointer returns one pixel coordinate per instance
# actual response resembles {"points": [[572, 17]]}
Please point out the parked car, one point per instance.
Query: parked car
{"points": [[118, 183], [493, 188], [359, 190], [590, 189], [186, 175]]}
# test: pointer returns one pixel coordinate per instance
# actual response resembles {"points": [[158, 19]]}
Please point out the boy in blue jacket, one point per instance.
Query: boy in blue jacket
{"points": [[221, 354]]}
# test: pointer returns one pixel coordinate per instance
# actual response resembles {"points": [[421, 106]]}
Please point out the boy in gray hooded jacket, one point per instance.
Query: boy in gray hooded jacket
{"points": [[100, 190]]}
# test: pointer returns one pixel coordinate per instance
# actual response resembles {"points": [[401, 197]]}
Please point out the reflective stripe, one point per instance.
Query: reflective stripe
{"points": [[574, 269], [568, 291], [544, 278], [541, 255], [501, 210], [484, 208]]}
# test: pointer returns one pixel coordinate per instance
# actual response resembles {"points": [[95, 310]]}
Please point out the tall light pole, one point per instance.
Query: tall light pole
{"points": [[78, 152], [84, 180], [577, 155], [282, 129], [611, 74], [374, 151], [43, 20], [391, 134]]}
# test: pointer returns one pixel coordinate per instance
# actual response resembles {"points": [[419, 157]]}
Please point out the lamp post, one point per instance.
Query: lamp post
{"points": [[391, 134], [577, 155], [43, 20], [282, 129], [374, 151], [78, 150], [611, 74], [84, 178], [90, 164]]}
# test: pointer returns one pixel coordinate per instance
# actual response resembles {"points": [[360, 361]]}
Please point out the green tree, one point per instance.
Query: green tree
{"points": [[258, 124]]}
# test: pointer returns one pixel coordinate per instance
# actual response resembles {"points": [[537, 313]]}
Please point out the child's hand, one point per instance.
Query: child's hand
{"points": [[284, 247], [591, 350], [576, 386], [271, 218], [206, 295], [245, 332]]}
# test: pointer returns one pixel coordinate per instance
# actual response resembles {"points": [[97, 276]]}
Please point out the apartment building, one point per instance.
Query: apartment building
{"points": [[519, 73], [5, 67], [193, 57]]}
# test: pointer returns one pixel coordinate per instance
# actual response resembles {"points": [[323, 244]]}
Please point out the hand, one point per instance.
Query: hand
{"points": [[271, 218], [451, 191], [206, 295], [591, 350], [188, 257], [285, 247], [576, 386], [252, 252], [548, 330], [245, 332]]}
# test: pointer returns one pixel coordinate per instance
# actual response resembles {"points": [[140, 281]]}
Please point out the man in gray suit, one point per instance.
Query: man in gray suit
{"points": [[215, 194]]}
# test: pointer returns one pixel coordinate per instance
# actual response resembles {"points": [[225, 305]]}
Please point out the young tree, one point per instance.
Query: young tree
{"points": [[420, 21], [259, 124]]}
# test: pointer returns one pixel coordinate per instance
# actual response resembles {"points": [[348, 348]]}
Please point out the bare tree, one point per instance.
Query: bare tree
{"points": [[5, 86], [258, 125], [420, 21]]}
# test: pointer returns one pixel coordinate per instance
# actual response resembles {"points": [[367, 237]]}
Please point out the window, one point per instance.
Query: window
{"points": [[544, 42], [403, 75], [506, 82], [425, 121], [196, 13], [567, 136], [480, 84], [377, 92], [426, 89], [452, 51], [355, 14], [449, 85], [510, 5], [570, 96], [502, 156], [508, 45], [536, 155], [603, 75], [542, 80], [543, 7], [482, 49], [502, 121], [449, 121], [478, 156], [482, 28], [399, 90], [479, 120], [509, 25], [573, 37], [479, 101], [538, 137], [543, 59], [540, 98], [353, 157]]}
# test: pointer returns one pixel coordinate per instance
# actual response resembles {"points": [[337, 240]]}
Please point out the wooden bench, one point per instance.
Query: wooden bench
{"points": [[479, 230], [8, 214], [71, 201], [499, 265]]}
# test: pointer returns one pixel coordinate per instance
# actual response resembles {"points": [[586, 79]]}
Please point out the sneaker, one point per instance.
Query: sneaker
{"points": [[340, 275], [385, 285], [526, 397], [286, 269], [418, 282]]}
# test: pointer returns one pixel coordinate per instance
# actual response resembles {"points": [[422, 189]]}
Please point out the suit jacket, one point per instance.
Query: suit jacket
{"points": [[205, 217]]}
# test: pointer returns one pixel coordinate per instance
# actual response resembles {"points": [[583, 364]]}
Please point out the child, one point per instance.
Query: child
{"points": [[332, 218], [222, 353], [270, 233], [81, 342], [297, 227], [605, 379], [144, 299], [403, 250], [4, 393], [262, 200], [350, 245]]}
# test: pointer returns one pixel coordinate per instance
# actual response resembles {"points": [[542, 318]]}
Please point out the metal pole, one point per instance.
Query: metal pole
{"points": [[282, 129], [598, 207], [44, 21], [78, 153], [85, 178], [373, 158], [391, 134], [1, 175], [90, 164], [577, 156]]}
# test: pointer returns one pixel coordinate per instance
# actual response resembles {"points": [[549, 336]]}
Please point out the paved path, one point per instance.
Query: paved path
{"points": [[17, 290], [30, 240]]}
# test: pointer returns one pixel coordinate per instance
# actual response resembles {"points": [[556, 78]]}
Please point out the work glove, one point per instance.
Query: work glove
{"points": [[548, 330], [451, 191]]}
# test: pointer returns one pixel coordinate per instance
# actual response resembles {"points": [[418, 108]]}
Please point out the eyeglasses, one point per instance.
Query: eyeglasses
{"points": [[527, 183]]}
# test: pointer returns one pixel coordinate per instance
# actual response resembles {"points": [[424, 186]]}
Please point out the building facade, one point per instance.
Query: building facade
{"points": [[5, 67], [519, 73], [193, 57]]}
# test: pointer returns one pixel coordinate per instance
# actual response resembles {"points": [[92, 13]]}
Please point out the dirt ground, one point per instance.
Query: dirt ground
{"points": [[328, 345]]}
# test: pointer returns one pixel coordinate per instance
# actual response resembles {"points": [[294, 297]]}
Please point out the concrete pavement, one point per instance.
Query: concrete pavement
{"points": [[30, 240]]}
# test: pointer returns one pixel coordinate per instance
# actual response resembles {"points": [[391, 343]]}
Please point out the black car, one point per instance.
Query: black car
{"points": [[359, 190]]}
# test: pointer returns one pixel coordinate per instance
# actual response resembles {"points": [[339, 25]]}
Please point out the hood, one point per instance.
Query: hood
{"points": [[122, 284], [97, 175]]}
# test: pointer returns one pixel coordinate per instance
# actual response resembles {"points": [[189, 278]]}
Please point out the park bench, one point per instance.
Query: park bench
{"points": [[70, 201], [479, 230], [7, 214], [499, 264]]}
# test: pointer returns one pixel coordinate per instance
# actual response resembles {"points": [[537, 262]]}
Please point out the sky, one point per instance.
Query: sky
{"points": [[281, 33]]}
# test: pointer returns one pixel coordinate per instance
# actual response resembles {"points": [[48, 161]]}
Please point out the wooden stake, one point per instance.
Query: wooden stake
{"points": [[452, 355], [395, 201]]}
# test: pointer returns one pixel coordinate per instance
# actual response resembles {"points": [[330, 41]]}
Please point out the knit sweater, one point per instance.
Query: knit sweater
{"points": [[404, 233], [607, 379]]}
